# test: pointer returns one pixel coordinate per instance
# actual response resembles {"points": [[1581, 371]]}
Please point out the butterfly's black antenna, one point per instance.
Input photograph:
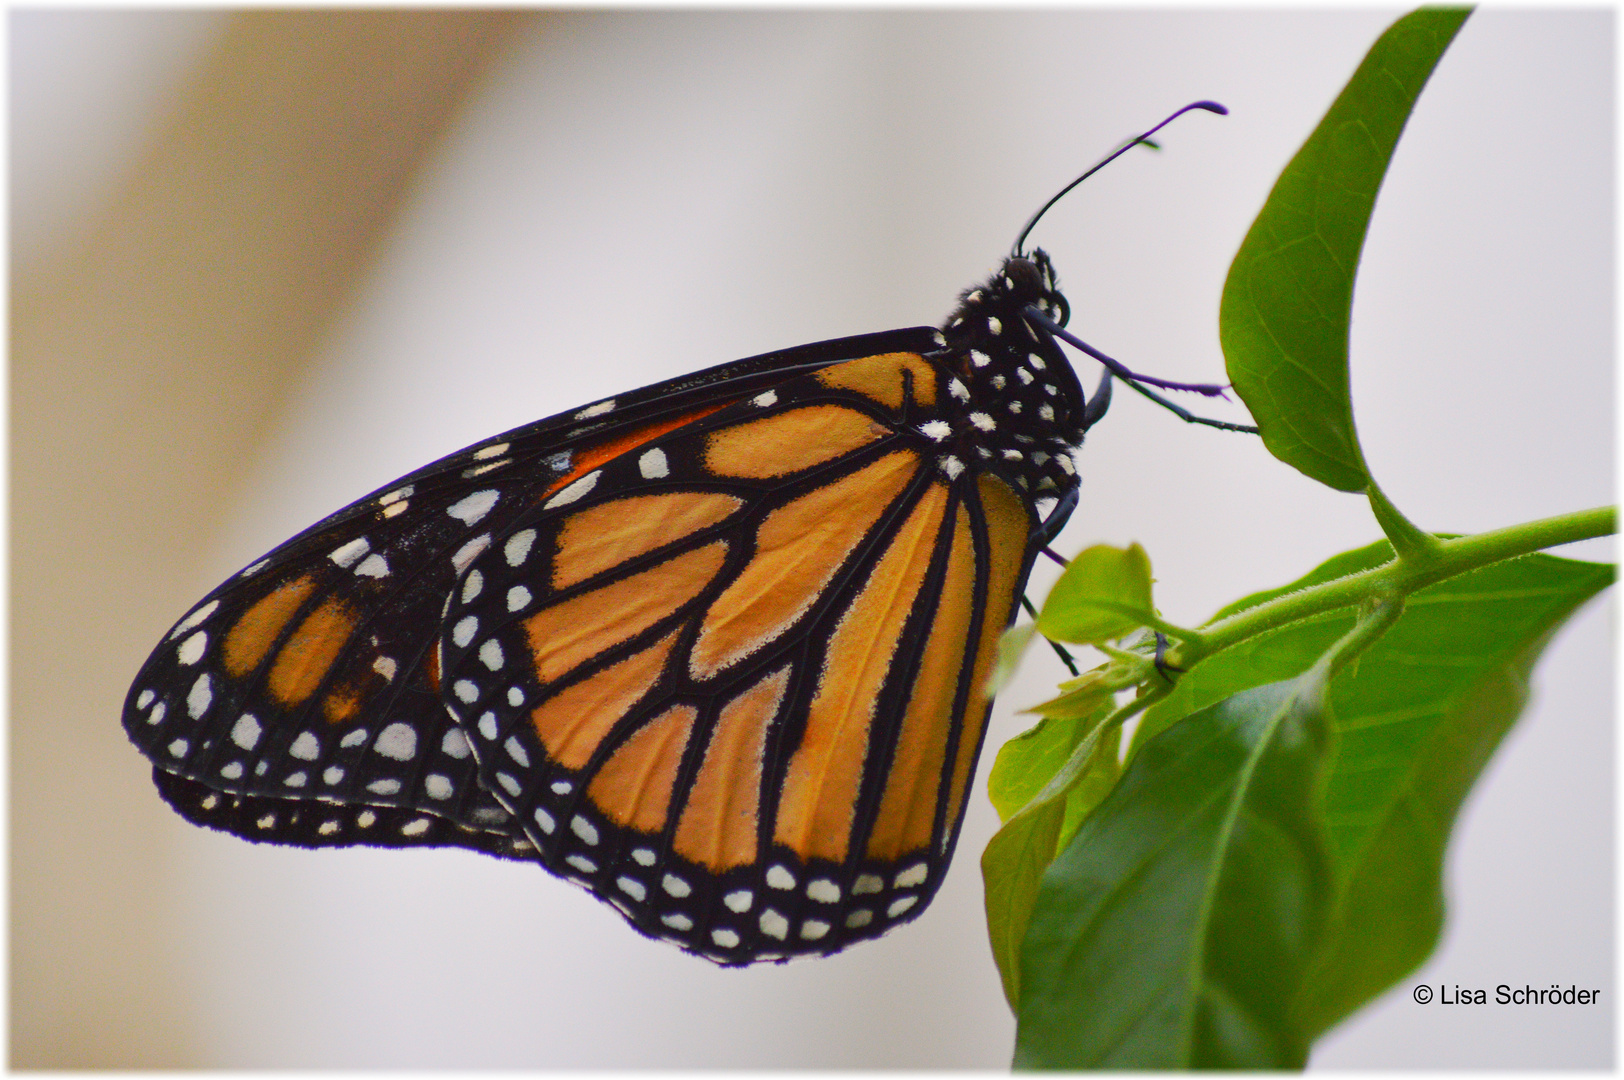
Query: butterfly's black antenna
{"points": [[1137, 140]]}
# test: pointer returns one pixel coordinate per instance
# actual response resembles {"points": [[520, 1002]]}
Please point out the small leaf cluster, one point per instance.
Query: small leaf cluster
{"points": [[1265, 853]]}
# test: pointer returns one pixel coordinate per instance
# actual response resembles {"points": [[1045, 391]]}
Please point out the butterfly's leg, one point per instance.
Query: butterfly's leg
{"points": [[1161, 657], [1095, 409], [1059, 649]]}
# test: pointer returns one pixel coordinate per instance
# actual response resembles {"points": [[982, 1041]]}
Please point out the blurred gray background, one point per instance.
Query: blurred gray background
{"points": [[262, 263]]}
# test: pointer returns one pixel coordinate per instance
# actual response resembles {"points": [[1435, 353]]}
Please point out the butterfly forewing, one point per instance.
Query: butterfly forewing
{"points": [[312, 674], [734, 684]]}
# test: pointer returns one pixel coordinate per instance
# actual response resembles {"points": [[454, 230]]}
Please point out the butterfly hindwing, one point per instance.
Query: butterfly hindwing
{"points": [[733, 684]]}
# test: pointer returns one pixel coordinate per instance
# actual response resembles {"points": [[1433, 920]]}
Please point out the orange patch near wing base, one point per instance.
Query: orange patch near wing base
{"points": [[879, 378], [634, 786], [1008, 526], [799, 547], [588, 458], [252, 636], [303, 660], [719, 825], [821, 785], [572, 722], [565, 635], [788, 442], [609, 534], [907, 813]]}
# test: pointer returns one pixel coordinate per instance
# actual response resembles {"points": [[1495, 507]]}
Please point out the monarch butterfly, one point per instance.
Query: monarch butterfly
{"points": [[716, 649]]}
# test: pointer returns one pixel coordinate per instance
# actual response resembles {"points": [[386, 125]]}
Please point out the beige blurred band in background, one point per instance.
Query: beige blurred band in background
{"points": [[145, 362]]}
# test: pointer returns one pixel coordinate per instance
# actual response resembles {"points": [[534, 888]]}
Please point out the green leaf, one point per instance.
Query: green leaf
{"points": [[1042, 792], [1011, 646], [1176, 928], [1103, 594], [1417, 718], [1283, 321]]}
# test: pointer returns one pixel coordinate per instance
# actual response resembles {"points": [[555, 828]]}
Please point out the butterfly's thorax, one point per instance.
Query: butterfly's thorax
{"points": [[1017, 406]]}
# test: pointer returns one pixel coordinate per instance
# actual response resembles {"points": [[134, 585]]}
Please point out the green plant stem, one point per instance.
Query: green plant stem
{"points": [[1399, 578], [1409, 542]]}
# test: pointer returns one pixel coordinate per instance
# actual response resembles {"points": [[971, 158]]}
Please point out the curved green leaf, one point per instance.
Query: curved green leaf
{"points": [[1177, 927], [1283, 321], [1103, 595], [1044, 782], [1417, 719]]}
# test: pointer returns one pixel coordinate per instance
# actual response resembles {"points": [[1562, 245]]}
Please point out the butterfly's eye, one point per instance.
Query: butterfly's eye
{"points": [[1025, 277]]}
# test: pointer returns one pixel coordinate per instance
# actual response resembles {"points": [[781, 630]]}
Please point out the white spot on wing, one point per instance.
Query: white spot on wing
{"points": [[583, 828], [653, 465], [383, 787], [470, 551], [574, 491], [675, 886], [385, 666], [952, 466], [936, 429], [305, 747], [347, 555], [957, 389], [490, 654], [766, 399], [454, 744], [199, 697], [823, 891], [491, 451], [596, 410], [194, 618], [914, 875], [470, 509], [632, 888], [191, 650], [464, 631], [353, 739], [774, 924], [517, 548], [739, 901], [979, 358], [779, 877], [982, 421], [517, 598], [437, 786], [397, 741], [373, 566]]}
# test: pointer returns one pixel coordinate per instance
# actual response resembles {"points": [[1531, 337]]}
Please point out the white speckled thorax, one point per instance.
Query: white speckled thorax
{"points": [[1021, 412]]}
